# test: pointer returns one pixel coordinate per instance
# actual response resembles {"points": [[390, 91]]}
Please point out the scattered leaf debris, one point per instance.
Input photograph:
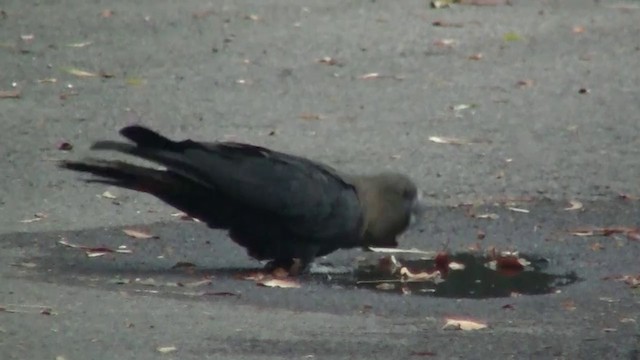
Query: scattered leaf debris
{"points": [[369, 76], [476, 56], [95, 251], [519, 210], [138, 234], [462, 324], [605, 231]]}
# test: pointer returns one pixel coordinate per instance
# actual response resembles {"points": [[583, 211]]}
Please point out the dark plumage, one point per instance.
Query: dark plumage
{"points": [[278, 206]]}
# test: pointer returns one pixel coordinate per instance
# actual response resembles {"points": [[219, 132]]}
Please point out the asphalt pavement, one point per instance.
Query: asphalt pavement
{"points": [[520, 111]]}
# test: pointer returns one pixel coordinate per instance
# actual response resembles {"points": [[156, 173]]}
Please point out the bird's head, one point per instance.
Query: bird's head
{"points": [[391, 202]]}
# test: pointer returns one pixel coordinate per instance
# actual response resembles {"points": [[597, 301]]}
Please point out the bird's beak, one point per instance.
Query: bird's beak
{"points": [[419, 205]]}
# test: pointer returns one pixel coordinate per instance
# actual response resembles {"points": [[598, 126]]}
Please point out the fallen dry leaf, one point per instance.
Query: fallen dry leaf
{"points": [[328, 61], [108, 195], [106, 13], [447, 140], [47, 81], [95, 251], [578, 29], [490, 216], [38, 217], [166, 349], [10, 94], [525, 83], [64, 146], [309, 116], [575, 205], [80, 44], [444, 43], [476, 56], [278, 283], [442, 23], [78, 72], [604, 231], [138, 234], [370, 76], [519, 210], [461, 324]]}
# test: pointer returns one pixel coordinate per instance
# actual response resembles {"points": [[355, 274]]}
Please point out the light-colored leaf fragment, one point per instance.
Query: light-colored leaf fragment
{"points": [[490, 216], [511, 36], [385, 286], [78, 72], [137, 234], [80, 44], [279, 283], [575, 205], [421, 276], [519, 210], [461, 324], [166, 349], [447, 140], [108, 195], [370, 76], [401, 251]]}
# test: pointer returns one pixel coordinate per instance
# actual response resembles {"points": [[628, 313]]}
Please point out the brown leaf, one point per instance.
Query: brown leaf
{"points": [[10, 94], [328, 61], [444, 43], [309, 116], [442, 23], [106, 13], [476, 56], [578, 29], [525, 83], [138, 234], [64, 146]]}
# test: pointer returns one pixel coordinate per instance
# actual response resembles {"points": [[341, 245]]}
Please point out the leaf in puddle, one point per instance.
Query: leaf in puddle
{"points": [[421, 276], [463, 324], [138, 234], [78, 72], [385, 286]]}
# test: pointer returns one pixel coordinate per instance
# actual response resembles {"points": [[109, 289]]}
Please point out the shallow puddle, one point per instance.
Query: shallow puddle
{"points": [[473, 276]]}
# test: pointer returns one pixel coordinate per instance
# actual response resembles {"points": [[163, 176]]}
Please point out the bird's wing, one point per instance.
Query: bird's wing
{"points": [[311, 197]]}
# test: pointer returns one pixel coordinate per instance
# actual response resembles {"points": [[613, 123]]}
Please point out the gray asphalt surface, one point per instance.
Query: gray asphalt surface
{"points": [[249, 71]]}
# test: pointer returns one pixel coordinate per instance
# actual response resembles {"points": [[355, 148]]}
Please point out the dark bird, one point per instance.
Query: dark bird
{"points": [[280, 207]]}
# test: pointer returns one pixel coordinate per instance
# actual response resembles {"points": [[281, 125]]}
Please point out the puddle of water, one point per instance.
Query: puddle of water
{"points": [[476, 280]]}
